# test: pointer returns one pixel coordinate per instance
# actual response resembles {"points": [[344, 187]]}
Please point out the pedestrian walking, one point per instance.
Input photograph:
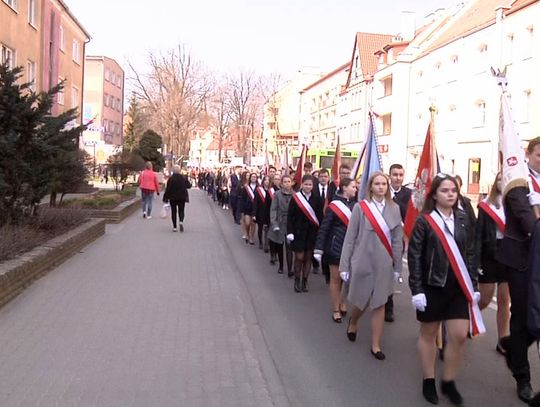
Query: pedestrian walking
{"points": [[443, 282], [320, 189], [371, 257], [490, 229], [234, 186], [303, 220], [176, 194], [330, 240], [279, 210], [148, 182], [262, 212], [246, 199]]}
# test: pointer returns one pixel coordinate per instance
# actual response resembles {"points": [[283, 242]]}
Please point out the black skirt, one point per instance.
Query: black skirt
{"points": [[444, 303], [493, 271]]}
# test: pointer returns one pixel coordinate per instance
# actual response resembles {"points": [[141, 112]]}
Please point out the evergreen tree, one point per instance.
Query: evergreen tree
{"points": [[149, 149], [135, 126], [35, 146]]}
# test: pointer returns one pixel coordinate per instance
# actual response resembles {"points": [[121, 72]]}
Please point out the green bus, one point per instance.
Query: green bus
{"points": [[324, 158]]}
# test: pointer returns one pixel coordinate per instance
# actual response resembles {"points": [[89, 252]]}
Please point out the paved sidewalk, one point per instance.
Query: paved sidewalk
{"points": [[143, 317]]}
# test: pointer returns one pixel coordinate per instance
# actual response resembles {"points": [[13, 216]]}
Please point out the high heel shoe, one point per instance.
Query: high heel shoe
{"points": [[338, 318], [297, 286], [350, 335]]}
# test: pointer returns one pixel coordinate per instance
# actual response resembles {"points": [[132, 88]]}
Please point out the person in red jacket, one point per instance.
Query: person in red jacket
{"points": [[148, 182]]}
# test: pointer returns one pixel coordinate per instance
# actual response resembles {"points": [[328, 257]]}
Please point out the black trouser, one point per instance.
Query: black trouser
{"points": [[177, 206], [520, 338], [389, 306], [233, 200]]}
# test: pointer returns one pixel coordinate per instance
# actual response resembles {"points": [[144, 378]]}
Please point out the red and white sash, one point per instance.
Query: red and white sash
{"points": [[496, 214], [341, 210], [460, 270], [272, 192], [262, 193], [306, 208], [250, 193], [379, 224], [535, 183]]}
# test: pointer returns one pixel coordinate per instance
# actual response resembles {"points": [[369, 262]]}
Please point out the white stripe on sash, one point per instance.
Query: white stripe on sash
{"points": [[306, 208], [250, 193], [380, 220], [341, 210]]}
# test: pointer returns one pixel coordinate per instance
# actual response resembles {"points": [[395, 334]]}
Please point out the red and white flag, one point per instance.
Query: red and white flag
{"points": [[300, 166], [341, 210], [379, 224], [427, 169], [460, 270], [306, 208]]}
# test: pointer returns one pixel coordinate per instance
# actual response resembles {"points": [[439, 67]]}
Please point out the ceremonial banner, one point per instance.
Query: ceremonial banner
{"points": [[372, 159], [300, 166]]}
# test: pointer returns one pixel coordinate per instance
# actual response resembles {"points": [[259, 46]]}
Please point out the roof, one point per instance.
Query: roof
{"points": [[325, 77], [68, 11], [475, 16]]}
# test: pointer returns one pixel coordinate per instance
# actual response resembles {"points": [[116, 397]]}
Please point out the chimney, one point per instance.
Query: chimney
{"points": [[408, 25]]}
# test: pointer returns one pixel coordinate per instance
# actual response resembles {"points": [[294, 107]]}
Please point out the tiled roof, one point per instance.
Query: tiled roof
{"points": [[368, 44], [475, 15]]}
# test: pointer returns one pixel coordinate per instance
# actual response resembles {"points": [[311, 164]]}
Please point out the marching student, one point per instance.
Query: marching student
{"points": [[276, 183], [490, 229], [279, 210], [330, 240], [303, 220], [464, 203], [443, 282], [344, 172], [246, 199], [262, 212], [321, 191], [371, 257]]}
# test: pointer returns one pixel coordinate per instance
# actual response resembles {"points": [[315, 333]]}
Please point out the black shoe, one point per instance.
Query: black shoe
{"points": [[338, 318], [535, 401], [450, 390], [499, 348], [430, 391], [181, 227], [266, 250], [304, 285], [315, 270], [280, 271], [389, 317], [290, 274], [297, 285], [525, 392], [260, 246], [350, 335], [378, 355], [272, 261]]}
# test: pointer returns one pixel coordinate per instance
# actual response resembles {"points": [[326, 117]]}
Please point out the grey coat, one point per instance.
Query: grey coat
{"points": [[278, 216], [364, 257]]}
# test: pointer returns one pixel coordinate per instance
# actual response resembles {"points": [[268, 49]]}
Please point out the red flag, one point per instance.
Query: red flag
{"points": [[300, 166], [337, 164], [427, 169]]}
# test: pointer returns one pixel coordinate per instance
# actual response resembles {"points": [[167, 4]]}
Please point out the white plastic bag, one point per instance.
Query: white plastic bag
{"points": [[164, 211]]}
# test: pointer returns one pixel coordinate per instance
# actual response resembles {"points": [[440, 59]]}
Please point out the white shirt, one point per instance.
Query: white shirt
{"points": [[380, 205], [325, 190], [393, 191], [449, 222]]}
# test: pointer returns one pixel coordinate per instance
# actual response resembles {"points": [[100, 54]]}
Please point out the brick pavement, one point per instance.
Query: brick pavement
{"points": [[142, 317]]}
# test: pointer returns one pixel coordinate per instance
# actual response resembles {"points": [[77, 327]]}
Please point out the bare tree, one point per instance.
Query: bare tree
{"points": [[175, 92], [219, 110]]}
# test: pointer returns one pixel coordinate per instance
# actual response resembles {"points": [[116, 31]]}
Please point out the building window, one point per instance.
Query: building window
{"points": [[31, 74], [62, 40], [483, 48], [528, 43], [8, 56], [75, 52], [106, 100], [32, 12], [387, 124], [480, 114], [11, 3], [387, 86], [60, 94], [74, 97], [474, 175]]}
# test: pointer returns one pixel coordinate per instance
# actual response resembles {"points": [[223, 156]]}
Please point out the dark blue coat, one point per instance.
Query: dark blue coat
{"points": [[332, 231]]}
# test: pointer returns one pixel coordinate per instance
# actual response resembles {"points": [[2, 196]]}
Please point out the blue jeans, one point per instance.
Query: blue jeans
{"points": [[147, 199]]}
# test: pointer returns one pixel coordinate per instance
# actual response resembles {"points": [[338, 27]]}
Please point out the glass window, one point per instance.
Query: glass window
{"points": [[11, 3], [75, 51], [74, 97], [62, 40], [60, 95], [32, 12], [8, 56], [31, 74]]}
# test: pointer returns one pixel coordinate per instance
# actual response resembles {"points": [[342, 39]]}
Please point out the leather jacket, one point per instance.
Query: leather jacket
{"points": [[428, 262]]}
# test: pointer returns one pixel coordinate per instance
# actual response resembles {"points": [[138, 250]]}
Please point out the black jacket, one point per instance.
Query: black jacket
{"points": [[317, 193], [402, 198], [332, 231], [520, 220], [245, 204], [428, 263], [177, 188], [262, 208], [533, 314], [485, 238], [305, 232]]}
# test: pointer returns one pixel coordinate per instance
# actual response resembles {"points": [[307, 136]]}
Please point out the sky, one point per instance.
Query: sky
{"points": [[264, 36]]}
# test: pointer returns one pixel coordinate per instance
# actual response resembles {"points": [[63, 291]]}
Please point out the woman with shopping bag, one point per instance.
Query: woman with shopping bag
{"points": [[176, 194]]}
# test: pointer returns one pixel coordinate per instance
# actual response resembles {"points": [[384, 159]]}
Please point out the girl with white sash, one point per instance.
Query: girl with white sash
{"points": [[442, 279], [489, 233], [262, 212], [303, 220], [371, 257], [330, 241], [276, 183], [247, 206]]}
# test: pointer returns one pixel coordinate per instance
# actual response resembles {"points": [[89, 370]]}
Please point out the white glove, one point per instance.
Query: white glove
{"points": [[397, 277], [276, 228], [344, 276], [419, 302], [534, 198], [476, 297], [318, 257], [290, 237]]}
